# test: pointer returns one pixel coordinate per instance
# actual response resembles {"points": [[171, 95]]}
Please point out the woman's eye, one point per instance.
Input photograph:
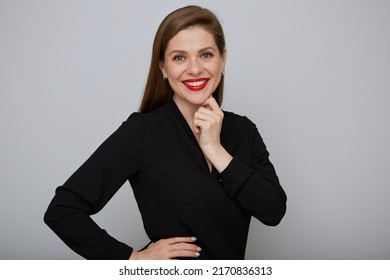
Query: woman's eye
{"points": [[207, 55], [178, 58]]}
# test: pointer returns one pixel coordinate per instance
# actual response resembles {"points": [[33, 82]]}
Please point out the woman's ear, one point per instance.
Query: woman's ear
{"points": [[224, 60], [162, 69]]}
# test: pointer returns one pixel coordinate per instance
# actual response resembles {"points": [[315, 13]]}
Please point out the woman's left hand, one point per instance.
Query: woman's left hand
{"points": [[207, 126]]}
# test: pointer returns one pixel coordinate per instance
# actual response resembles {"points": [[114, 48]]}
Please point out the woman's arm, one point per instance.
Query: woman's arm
{"points": [[256, 187], [87, 191]]}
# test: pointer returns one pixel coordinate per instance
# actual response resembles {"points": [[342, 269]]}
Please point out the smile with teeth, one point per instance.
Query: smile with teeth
{"points": [[196, 84]]}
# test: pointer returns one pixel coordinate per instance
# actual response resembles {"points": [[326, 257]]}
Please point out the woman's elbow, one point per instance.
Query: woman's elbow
{"points": [[49, 217], [273, 215], [279, 214], [53, 216]]}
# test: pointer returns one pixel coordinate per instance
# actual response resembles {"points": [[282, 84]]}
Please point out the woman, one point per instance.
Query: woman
{"points": [[198, 173]]}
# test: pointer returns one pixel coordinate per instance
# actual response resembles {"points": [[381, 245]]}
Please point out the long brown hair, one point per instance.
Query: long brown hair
{"points": [[158, 91]]}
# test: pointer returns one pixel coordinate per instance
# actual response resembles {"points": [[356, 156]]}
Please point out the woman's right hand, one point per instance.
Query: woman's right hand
{"points": [[170, 248]]}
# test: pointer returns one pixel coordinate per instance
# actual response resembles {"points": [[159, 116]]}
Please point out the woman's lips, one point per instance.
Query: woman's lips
{"points": [[196, 84]]}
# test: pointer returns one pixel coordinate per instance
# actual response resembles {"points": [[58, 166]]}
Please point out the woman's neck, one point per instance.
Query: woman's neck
{"points": [[187, 110]]}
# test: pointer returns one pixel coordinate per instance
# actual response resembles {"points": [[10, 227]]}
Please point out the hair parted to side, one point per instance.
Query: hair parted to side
{"points": [[157, 90]]}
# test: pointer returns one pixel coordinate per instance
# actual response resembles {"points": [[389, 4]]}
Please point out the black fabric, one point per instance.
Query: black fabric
{"points": [[176, 193]]}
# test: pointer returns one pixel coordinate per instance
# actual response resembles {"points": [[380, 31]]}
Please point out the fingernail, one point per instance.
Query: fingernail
{"points": [[197, 254], [199, 249], [193, 238]]}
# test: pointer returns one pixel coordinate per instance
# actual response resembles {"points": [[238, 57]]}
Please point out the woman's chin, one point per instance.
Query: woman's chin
{"points": [[198, 99], [193, 99]]}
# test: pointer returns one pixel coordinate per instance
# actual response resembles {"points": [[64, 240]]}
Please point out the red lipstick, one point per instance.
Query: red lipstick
{"points": [[196, 84]]}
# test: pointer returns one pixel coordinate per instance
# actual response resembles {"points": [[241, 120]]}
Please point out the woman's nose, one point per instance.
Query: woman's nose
{"points": [[194, 67]]}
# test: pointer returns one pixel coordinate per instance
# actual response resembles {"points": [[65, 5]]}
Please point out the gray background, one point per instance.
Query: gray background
{"points": [[313, 75]]}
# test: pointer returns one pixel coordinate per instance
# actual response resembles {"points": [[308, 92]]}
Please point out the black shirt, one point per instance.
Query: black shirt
{"points": [[176, 193]]}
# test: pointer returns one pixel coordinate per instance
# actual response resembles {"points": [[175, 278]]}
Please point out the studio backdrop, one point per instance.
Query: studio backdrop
{"points": [[313, 75]]}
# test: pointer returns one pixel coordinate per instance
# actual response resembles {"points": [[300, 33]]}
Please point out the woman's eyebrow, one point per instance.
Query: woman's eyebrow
{"points": [[185, 52], [207, 48], [177, 51]]}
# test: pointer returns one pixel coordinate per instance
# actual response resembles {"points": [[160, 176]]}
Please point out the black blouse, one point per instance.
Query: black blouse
{"points": [[176, 193]]}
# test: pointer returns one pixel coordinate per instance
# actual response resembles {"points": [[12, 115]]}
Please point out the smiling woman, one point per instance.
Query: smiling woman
{"points": [[188, 18], [193, 67], [198, 173]]}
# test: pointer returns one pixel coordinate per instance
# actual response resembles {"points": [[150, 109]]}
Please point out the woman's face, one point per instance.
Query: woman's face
{"points": [[193, 66]]}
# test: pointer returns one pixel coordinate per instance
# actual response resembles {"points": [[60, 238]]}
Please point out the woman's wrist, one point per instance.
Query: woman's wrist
{"points": [[218, 157]]}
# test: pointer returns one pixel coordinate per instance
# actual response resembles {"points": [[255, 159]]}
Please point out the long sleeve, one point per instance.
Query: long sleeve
{"points": [[256, 185], [88, 190]]}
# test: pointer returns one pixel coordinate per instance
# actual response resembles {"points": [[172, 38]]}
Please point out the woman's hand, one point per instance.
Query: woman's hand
{"points": [[207, 126], [208, 123], [169, 248]]}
